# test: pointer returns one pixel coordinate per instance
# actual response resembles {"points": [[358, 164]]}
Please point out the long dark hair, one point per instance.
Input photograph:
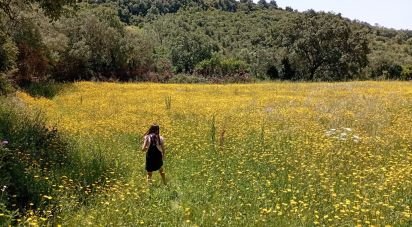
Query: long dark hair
{"points": [[154, 129]]}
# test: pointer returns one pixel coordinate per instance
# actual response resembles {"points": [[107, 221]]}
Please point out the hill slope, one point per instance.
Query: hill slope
{"points": [[211, 40]]}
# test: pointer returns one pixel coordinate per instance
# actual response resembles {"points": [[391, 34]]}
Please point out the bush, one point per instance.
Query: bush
{"points": [[189, 50], [34, 158], [186, 78], [240, 78], [272, 72], [5, 85], [8, 53], [32, 150], [407, 72], [385, 69], [44, 89], [33, 61], [8, 216], [218, 67]]}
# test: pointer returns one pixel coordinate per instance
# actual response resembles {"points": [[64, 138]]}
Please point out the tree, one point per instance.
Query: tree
{"points": [[8, 53], [273, 4], [217, 66], [100, 46], [188, 50], [137, 49], [263, 4], [385, 67], [287, 72], [246, 5], [407, 72], [23, 46], [289, 9], [225, 5], [8, 57], [324, 47], [273, 72], [33, 56], [94, 46], [51, 8]]}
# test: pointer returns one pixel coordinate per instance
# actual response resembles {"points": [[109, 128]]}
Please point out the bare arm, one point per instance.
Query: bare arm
{"points": [[145, 145], [162, 145], [163, 149]]}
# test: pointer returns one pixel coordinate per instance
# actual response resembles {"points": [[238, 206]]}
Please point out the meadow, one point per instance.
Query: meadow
{"points": [[270, 154]]}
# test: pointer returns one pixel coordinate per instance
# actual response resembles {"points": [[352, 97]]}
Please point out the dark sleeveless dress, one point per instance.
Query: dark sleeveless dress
{"points": [[154, 159]]}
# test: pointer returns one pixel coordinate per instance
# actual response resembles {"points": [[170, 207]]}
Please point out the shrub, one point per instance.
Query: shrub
{"points": [[186, 78], [44, 89], [33, 61], [35, 159], [8, 53], [385, 69], [32, 150], [407, 72], [218, 67], [272, 72], [5, 85]]}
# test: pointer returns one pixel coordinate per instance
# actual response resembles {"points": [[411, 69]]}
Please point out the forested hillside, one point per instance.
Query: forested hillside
{"points": [[199, 40]]}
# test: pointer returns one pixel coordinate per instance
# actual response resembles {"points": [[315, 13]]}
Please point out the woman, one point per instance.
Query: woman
{"points": [[153, 145]]}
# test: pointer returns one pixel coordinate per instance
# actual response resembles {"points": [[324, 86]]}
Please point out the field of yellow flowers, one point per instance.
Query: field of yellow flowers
{"points": [[271, 154]]}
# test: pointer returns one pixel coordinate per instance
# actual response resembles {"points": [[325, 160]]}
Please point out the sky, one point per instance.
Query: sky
{"points": [[391, 14]]}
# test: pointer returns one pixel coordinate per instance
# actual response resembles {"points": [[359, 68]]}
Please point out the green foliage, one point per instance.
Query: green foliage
{"points": [[254, 38], [31, 151], [273, 72], [5, 85], [98, 42], [135, 11], [265, 38], [44, 89], [8, 216], [8, 53], [385, 68], [186, 79], [137, 49], [389, 49], [235, 35], [189, 50], [33, 56], [35, 159], [407, 72], [100, 46], [324, 47], [88, 32], [52, 8], [395, 71], [287, 71], [218, 67]]}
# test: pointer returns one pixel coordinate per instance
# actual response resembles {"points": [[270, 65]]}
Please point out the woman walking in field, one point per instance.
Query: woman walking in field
{"points": [[153, 145]]}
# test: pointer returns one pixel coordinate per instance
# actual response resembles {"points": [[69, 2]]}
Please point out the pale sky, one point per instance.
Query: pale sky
{"points": [[391, 14]]}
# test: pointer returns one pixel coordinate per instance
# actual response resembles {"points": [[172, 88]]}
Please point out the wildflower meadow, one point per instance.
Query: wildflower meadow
{"points": [[265, 154]]}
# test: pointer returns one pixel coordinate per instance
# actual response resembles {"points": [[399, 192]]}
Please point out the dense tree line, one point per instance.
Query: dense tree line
{"points": [[275, 44], [216, 40], [137, 11]]}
